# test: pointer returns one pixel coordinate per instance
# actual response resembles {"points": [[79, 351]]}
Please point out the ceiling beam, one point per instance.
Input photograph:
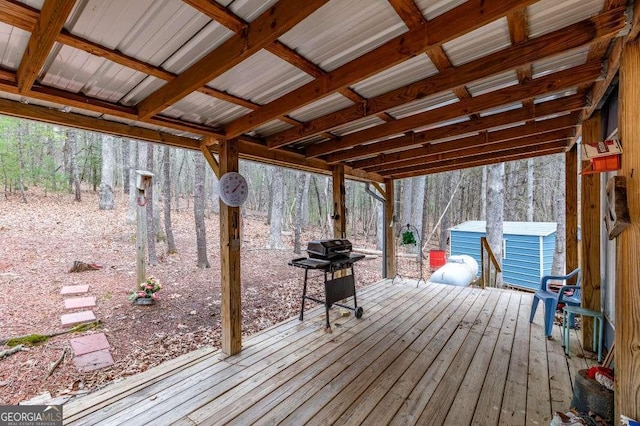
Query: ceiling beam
{"points": [[52, 17], [485, 159], [53, 116], [381, 161], [258, 152], [565, 104], [550, 83], [476, 148], [467, 17], [273, 23], [219, 14], [602, 26]]}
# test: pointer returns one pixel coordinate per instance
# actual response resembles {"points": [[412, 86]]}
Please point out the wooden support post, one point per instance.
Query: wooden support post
{"points": [[389, 228], [144, 180], [339, 203], [627, 294], [591, 223], [230, 258], [571, 201], [213, 163]]}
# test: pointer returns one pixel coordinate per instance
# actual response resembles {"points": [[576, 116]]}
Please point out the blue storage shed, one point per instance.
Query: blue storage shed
{"points": [[527, 249]]}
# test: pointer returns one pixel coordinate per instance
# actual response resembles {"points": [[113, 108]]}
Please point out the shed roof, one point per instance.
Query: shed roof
{"points": [[541, 229], [390, 89]]}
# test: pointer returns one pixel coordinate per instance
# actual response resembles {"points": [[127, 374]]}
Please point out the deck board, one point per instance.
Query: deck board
{"points": [[431, 355]]}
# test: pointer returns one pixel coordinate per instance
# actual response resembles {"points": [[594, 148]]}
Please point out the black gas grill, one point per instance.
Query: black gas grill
{"points": [[330, 256]]}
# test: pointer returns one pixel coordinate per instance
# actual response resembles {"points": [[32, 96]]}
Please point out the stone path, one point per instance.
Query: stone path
{"points": [[91, 352]]}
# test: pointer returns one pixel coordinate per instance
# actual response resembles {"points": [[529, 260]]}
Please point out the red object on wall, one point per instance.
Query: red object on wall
{"points": [[437, 258]]}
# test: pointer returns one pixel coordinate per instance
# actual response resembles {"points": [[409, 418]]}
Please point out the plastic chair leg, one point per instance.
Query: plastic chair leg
{"points": [[549, 315], [534, 306]]}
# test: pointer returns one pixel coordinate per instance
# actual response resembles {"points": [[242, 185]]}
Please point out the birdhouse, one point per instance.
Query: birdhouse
{"points": [[603, 156], [144, 180]]}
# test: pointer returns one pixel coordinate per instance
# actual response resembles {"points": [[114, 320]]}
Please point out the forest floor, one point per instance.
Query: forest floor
{"points": [[40, 240]]}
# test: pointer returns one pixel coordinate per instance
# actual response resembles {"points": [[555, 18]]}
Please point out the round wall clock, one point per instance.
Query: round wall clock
{"points": [[233, 189]]}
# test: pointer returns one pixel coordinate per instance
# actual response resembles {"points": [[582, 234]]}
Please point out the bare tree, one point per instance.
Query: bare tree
{"points": [[106, 200], [133, 165], [495, 211], [298, 215], [199, 201], [560, 255], [277, 209], [22, 134], [71, 135], [151, 225], [166, 160], [530, 184]]}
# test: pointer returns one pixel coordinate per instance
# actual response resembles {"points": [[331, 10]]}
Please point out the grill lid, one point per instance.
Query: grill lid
{"points": [[329, 249]]}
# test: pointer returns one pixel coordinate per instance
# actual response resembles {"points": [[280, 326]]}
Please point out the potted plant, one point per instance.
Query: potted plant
{"points": [[147, 292]]}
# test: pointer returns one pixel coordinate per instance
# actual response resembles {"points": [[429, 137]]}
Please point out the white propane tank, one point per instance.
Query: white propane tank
{"points": [[459, 270]]}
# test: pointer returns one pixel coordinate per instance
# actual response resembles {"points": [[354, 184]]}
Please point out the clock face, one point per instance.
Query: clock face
{"points": [[233, 189]]}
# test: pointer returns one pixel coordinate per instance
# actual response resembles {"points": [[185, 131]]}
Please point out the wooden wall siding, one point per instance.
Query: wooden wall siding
{"points": [[627, 340], [591, 231], [571, 205], [230, 241], [429, 356]]}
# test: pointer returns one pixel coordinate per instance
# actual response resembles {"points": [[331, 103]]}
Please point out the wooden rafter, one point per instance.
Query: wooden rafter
{"points": [[548, 84], [484, 159], [52, 17], [470, 15], [497, 148], [48, 115], [573, 36], [566, 104], [273, 23], [382, 161]]}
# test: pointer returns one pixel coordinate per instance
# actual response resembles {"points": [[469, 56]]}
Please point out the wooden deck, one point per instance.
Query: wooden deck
{"points": [[433, 355]]}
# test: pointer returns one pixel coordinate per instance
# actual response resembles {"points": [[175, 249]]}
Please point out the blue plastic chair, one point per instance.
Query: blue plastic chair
{"points": [[551, 298]]}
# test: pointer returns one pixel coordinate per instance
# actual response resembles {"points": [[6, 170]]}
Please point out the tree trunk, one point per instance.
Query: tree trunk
{"points": [[166, 160], [71, 135], [151, 235], [106, 199], [22, 130], [407, 201], [495, 209], [133, 165], [483, 205], [447, 193], [277, 209], [199, 202], [560, 216], [298, 216], [530, 184], [305, 200]]}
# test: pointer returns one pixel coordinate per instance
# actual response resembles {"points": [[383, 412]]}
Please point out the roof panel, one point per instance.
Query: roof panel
{"points": [[494, 82], [36, 4], [261, 78], [200, 108], [249, 10], [355, 126], [545, 16], [13, 42], [272, 127], [555, 95], [328, 104], [433, 8], [341, 31], [513, 228], [78, 71], [407, 72], [422, 105], [561, 62], [149, 30], [479, 43], [502, 108], [206, 40]]}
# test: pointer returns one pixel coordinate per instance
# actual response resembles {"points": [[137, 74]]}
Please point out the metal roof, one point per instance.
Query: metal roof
{"points": [[323, 78], [541, 229]]}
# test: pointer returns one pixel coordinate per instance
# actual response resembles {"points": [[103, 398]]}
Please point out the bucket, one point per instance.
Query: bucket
{"points": [[437, 258]]}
